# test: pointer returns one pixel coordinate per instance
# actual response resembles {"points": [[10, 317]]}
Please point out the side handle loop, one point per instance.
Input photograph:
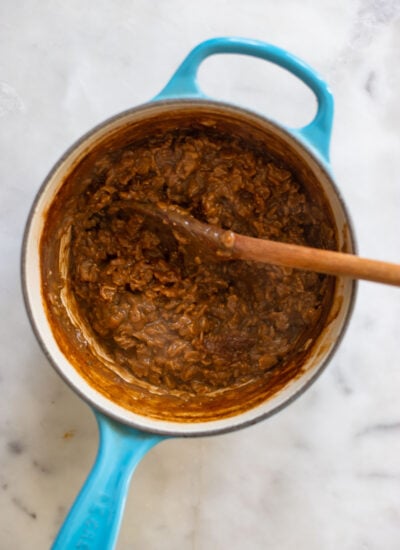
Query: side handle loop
{"points": [[184, 84]]}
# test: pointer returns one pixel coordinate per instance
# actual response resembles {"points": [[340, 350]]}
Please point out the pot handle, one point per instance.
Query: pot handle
{"points": [[183, 83], [95, 517]]}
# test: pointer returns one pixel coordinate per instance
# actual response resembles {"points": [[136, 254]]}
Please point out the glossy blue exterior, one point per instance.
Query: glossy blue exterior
{"points": [[94, 519]]}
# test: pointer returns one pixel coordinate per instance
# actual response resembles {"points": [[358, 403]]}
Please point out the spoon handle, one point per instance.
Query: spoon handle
{"points": [[315, 259]]}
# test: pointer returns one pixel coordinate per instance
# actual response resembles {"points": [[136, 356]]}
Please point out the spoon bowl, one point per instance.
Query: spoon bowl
{"points": [[212, 243]]}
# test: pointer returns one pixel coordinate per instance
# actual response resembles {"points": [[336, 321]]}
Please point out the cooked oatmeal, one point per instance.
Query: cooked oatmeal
{"points": [[166, 316]]}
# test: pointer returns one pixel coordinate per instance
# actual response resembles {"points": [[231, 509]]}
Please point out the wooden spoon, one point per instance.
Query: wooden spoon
{"points": [[217, 244]]}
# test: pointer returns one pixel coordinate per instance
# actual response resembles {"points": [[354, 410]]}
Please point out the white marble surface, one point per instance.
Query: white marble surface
{"points": [[325, 473]]}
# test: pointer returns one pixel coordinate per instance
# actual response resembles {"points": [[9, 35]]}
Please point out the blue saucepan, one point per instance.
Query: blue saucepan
{"points": [[125, 436]]}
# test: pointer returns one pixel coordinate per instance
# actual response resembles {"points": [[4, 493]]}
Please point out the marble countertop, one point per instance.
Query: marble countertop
{"points": [[325, 472]]}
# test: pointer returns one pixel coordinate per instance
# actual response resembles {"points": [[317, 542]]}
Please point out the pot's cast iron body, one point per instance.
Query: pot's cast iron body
{"points": [[125, 436]]}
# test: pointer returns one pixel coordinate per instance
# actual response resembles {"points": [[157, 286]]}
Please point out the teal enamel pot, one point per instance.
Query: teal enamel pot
{"points": [[125, 436]]}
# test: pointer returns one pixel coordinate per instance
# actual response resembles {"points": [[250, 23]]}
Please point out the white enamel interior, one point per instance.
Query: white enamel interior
{"points": [[32, 288]]}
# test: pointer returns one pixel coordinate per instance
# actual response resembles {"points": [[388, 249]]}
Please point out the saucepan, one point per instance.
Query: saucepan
{"points": [[126, 434]]}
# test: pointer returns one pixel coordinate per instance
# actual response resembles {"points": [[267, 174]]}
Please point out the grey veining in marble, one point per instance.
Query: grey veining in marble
{"points": [[323, 474]]}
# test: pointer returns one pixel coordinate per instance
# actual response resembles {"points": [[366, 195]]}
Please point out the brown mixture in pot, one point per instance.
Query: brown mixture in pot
{"points": [[176, 321]]}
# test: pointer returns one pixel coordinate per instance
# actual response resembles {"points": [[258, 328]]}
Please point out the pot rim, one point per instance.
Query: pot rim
{"points": [[210, 427]]}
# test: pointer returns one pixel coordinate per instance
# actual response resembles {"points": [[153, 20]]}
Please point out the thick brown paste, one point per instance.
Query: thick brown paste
{"points": [[144, 318], [169, 317]]}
